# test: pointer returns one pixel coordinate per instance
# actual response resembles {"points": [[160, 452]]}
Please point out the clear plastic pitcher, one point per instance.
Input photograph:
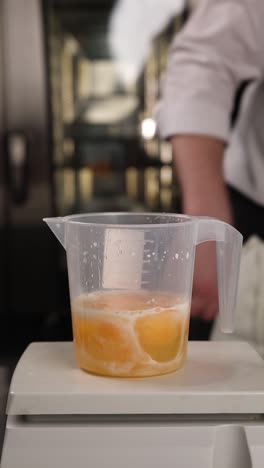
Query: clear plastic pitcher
{"points": [[130, 278]]}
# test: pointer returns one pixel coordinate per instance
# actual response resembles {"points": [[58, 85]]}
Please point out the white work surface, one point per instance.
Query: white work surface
{"points": [[218, 377], [208, 415]]}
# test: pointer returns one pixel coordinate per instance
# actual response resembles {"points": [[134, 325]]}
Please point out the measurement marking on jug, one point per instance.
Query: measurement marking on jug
{"points": [[99, 274]]}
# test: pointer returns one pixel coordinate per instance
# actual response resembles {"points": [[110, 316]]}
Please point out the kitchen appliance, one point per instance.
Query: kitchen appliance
{"points": [[26, 190], [209, 414]]}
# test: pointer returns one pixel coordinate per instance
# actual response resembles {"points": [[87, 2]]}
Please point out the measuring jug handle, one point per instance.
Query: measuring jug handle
{"points": [[228, 251]]}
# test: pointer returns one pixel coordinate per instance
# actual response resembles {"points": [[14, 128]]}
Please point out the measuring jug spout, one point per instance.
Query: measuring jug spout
{"points": [[57, 226]]}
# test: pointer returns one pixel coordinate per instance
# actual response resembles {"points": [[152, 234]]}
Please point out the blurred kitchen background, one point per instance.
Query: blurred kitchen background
{"points": [[78, 135], [73, 139]]}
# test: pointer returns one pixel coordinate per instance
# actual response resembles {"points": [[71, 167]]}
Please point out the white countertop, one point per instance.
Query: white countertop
{"points": [[218, 378]]}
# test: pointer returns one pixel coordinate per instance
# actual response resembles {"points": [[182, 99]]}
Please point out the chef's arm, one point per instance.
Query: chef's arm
{"points": [[199, 167], [199, 164]]}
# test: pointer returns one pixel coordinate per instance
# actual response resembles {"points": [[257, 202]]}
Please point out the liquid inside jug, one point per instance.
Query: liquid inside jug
{"points": [[130, 334]]}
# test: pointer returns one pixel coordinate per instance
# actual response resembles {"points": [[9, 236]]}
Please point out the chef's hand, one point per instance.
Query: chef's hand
{"points": [[205, 290]]}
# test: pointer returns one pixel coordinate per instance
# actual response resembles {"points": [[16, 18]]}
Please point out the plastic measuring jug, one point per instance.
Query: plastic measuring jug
{"points": [[130, 278]]}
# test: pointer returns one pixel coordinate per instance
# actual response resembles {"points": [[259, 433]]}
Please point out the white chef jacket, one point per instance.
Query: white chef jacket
{"points": [[221, 46]]}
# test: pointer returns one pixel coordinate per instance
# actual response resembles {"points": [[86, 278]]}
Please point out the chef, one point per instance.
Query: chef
{"points": [[217, 59]]}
